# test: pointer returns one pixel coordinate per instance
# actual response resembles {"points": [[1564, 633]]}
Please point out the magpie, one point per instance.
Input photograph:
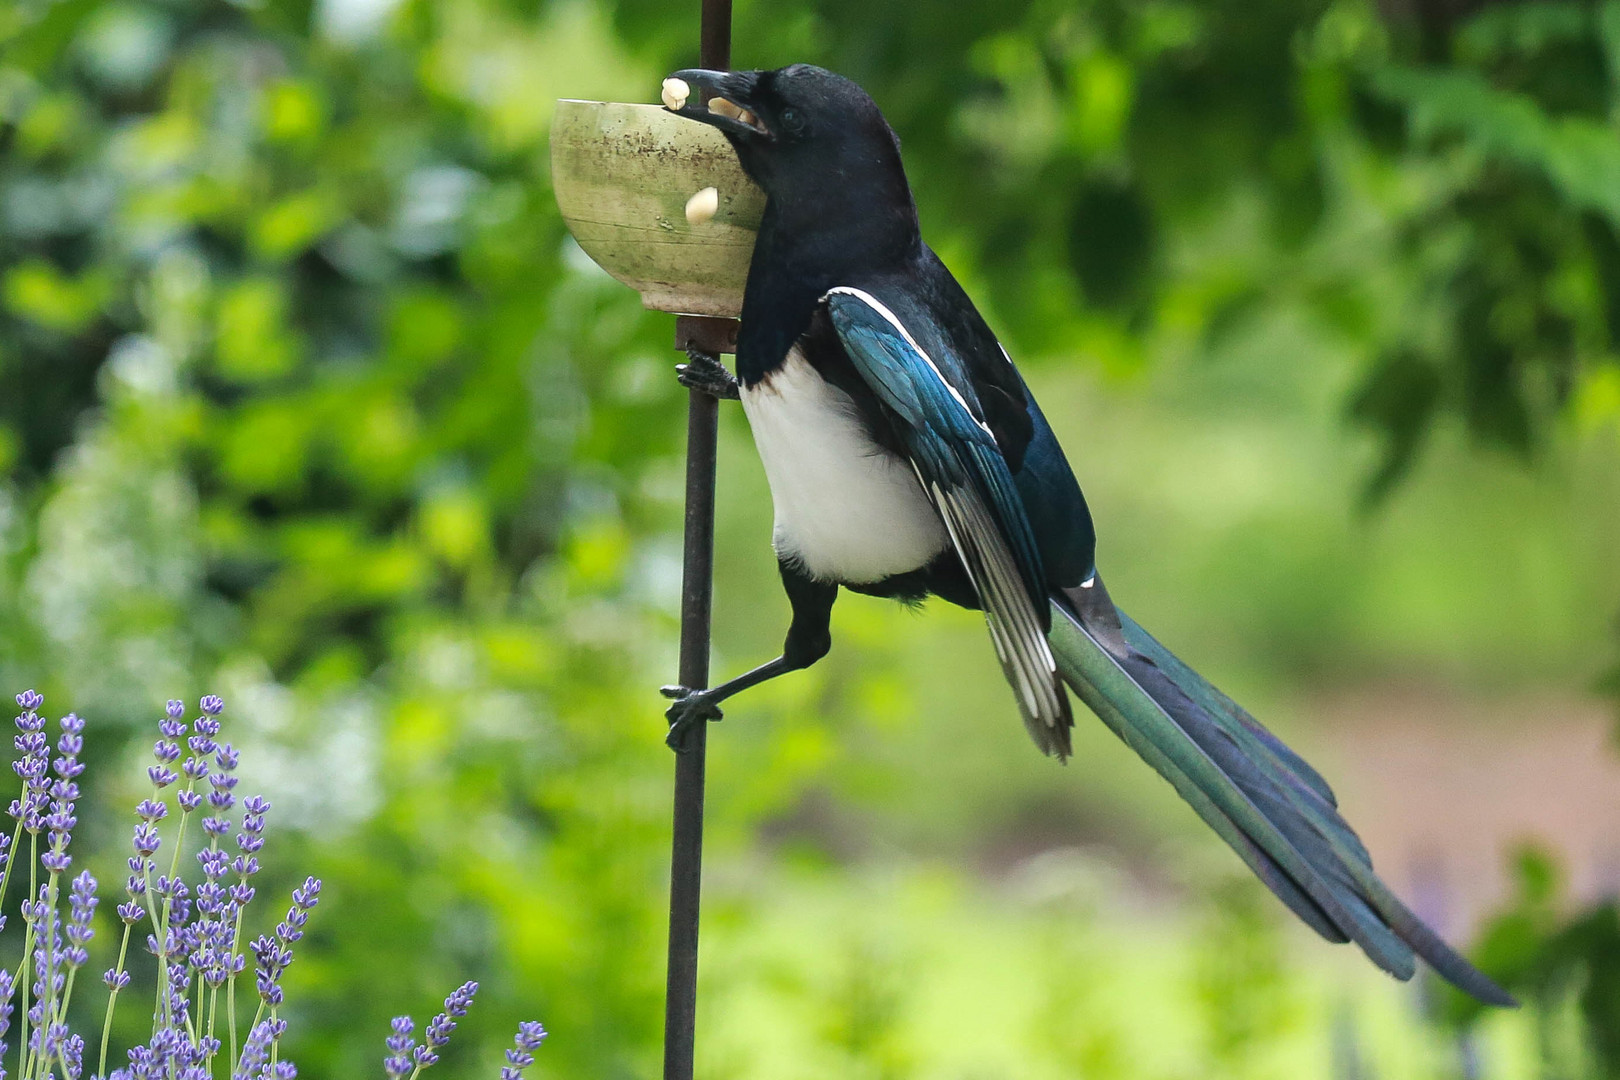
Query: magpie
{"points": [[907, 458]]}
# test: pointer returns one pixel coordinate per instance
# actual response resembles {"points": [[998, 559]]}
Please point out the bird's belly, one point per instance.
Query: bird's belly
{"points": [[847, 509]]}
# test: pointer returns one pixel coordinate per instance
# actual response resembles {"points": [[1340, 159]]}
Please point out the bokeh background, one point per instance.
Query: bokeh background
{"points": [[306, 398]]}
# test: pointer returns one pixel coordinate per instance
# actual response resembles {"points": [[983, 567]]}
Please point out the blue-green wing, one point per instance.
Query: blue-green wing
{"points": [[961, 468]]}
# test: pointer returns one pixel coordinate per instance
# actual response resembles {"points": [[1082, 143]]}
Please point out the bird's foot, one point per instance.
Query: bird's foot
{"points": [[705, 373], [690, 710]]}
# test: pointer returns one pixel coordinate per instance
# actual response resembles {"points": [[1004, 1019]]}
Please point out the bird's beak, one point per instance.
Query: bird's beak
{"points": [[729, 106]]}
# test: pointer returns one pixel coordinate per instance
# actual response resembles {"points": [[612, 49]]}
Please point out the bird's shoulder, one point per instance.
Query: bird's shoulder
{"points": [[942, 322]]}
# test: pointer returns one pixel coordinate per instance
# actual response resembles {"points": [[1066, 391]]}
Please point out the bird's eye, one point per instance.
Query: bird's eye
{"points": [[791, 120]]}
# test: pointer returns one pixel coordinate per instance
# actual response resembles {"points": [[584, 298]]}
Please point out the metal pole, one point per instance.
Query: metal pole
{"points": [[697, 580]]}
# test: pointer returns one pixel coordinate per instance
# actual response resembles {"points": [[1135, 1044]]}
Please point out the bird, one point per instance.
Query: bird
{"points": [[907, 458]]}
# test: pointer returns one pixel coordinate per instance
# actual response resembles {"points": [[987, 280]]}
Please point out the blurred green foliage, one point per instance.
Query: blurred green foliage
{"points": [[1567, 968], [306, 397]]}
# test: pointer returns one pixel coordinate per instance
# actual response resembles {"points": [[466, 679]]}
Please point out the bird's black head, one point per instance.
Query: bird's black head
{"points": [[814, 141]]}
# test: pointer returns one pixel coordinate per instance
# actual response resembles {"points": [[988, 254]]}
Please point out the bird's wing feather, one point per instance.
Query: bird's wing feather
{"points": [[961, 468]]}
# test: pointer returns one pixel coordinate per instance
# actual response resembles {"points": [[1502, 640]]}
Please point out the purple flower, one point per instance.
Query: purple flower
{"points": [[398, 1062], [216, 924], [249, 841], [82, 905], [6, 990], [256, 1051], [146, 840], [214, 863], [198, 940], [271, 959], [530, 1034], [64, 794], [305, 897], [70, 744], [441, 1026], [73, 1054], [34, 752], [221, 799]]}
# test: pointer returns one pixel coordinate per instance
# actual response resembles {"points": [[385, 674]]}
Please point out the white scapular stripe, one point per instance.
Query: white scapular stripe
{"points": [[878, 306]]}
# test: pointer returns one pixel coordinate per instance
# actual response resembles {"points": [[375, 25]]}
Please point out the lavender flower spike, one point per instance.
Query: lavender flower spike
{"points": [[398, 1063], [34, 753], [256, 1052], [530, 1034], [441, 1026], [64, 793], [82, 905], [7, 992], [305, 897], [73, 1055]]}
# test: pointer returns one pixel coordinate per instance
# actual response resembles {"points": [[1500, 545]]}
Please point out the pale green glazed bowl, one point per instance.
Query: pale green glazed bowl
{"points": [[622, 174]]}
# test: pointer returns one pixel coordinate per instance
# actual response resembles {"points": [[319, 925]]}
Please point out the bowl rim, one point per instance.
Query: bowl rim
{"points": [[620, 104]]}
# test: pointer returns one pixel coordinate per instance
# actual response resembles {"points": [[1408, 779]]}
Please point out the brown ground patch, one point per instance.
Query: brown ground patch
{"points": [[1442, 789]]}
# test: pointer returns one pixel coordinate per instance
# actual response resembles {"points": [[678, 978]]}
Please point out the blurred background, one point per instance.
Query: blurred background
{"points": [[307, 399]]}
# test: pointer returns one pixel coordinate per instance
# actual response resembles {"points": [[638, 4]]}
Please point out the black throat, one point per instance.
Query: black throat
{"points": [[806, 247]]}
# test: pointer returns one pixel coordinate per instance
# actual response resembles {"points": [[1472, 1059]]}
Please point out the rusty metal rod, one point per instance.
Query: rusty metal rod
{"points": [[697, 582]]}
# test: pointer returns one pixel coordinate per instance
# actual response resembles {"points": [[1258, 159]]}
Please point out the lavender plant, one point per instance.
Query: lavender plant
{"points": [[529, 1037], [406, 1060], [195, 932]]}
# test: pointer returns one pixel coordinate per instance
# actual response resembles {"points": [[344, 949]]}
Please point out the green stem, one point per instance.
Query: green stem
{"points": [[213, 1010], [275, 1043], [158, 1006], [23, 967], [112, 1001], [11, 860], [22, 997], [61, 1017], [230, 984], [47, 1006]]}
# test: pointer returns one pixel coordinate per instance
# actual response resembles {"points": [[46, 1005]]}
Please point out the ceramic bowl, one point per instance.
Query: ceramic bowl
{"points": [[622, 174]]}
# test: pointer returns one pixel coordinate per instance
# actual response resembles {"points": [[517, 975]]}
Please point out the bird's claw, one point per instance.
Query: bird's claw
{"points": [[691, 709], [704, 373]]}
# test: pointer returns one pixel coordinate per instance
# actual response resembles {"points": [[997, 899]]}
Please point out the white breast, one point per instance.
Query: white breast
{"points": [[846, 509]]}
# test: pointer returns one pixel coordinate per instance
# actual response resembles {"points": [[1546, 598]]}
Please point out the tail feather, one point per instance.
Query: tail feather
{"points": [[1211, 698], [1272, 808]]}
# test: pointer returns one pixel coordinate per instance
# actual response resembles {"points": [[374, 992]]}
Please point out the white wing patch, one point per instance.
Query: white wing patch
{"points": [[1015, 628], [877, 305]]}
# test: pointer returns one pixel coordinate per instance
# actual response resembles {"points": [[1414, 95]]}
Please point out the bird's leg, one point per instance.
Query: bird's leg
{"points": [[809, 637], [705, 373]]}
